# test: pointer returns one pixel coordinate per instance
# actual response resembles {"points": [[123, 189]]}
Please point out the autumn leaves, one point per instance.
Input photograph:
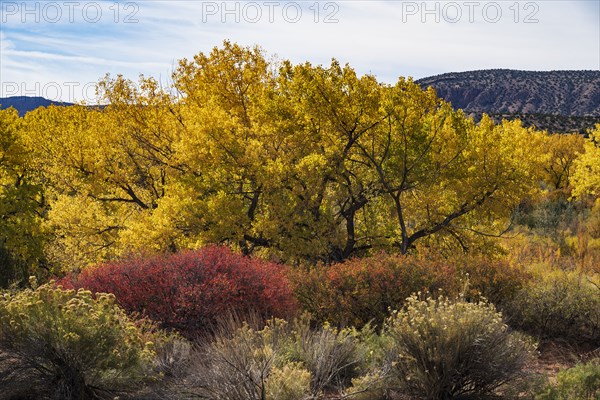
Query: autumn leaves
{"points": [[297, 162]]}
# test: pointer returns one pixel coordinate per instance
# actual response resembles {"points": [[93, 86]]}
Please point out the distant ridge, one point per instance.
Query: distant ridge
{"points": [[24, 104], [561, 101]]}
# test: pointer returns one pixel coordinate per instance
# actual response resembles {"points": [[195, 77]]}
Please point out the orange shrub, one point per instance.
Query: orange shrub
{"points": [[497, 280], [366, 289]]}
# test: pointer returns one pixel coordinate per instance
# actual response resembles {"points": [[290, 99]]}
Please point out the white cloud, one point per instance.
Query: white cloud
{"points": [[5, 44]]}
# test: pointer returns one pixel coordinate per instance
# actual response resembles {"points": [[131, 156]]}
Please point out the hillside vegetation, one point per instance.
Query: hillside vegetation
{"points": [[279, 231], [558, 101]]}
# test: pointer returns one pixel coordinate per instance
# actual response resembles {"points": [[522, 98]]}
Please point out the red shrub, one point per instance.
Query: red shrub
{"points": [[188, 291]]}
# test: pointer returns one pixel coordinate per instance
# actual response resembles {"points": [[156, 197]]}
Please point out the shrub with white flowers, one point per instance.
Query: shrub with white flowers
{"points": [[67, 344], [444, 349]]}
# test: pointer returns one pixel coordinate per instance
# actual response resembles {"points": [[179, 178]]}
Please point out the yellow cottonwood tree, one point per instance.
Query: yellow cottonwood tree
{"points": [[103, 174], [440, 174], [223, 148], [21, 205], [326, 110], [562, 151], [294, 162], [586, 177]]}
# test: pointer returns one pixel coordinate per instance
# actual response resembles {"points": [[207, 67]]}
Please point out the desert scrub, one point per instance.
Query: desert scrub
{"points": [[289, 382], [244, 362], [280, 361], [581, 382], [559, 304], [445, 349], [363, 290], [334, 357], [67, 344]]}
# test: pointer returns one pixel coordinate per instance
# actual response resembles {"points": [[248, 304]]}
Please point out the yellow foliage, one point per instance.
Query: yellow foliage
{"points": [[21, 204], [297, 162], [586, 177], [562, 151], [74, 338]]}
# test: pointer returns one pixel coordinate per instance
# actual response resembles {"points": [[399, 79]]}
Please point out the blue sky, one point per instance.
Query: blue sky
{"points": [[59, 49]]}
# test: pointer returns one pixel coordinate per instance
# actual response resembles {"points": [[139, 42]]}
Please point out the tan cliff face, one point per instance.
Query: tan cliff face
{"points": [[560, 101]]}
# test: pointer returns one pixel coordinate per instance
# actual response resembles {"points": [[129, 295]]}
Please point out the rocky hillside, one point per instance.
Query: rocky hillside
{"points": [[23, 104], [562, 101]]}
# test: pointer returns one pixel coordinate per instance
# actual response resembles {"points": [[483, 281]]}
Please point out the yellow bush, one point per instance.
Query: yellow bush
{"points": [[290, 382], [449, 349], [70, 343]]}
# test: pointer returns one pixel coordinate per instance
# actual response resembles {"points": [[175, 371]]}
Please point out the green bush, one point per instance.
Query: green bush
{"points": [[582, 382], [446, 349], [12, 270], [592, 224], [549, 214], [66, 344], [563, 305]]}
